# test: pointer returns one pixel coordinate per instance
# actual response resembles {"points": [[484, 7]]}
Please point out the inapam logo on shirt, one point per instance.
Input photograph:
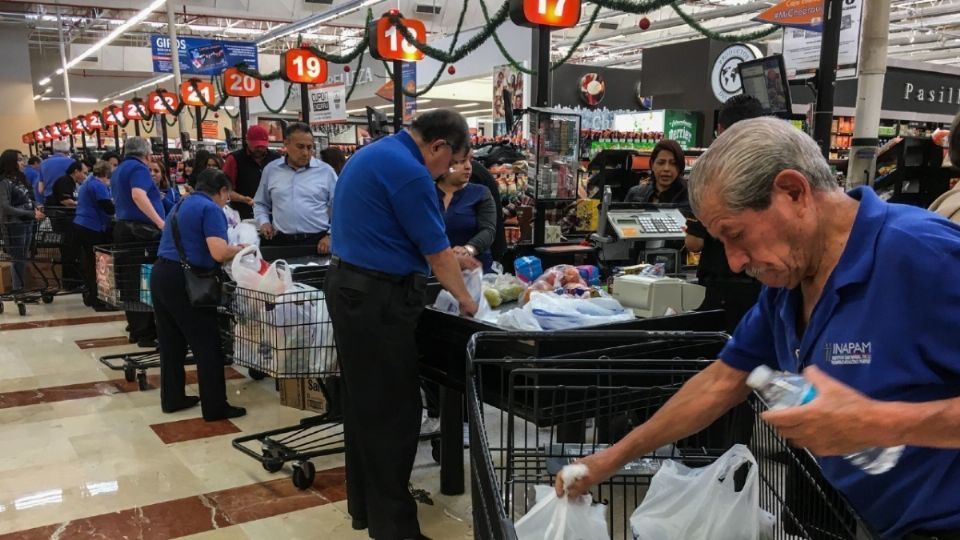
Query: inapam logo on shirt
{"points": [[849, 353]]}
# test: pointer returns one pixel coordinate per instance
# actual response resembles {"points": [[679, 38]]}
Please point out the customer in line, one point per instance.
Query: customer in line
{"points": [[168, 191], [469, 213], [390, 234], [202, 229], [202, 159], [140, 217], [92, 226], [245, 166], [18, 213], [667, 185], [843, 272], [295, 196]]}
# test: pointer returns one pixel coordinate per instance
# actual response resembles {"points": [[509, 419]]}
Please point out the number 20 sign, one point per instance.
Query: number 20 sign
{"points": [[302, 66], [387, 43], [555, 13], [239, 84]]}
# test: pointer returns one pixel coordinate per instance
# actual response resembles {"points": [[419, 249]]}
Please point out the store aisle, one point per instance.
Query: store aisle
{"points": [[86, 452]]}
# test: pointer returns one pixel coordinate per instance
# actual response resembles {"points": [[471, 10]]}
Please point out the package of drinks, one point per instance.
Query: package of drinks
{"points": [[528, 268]]}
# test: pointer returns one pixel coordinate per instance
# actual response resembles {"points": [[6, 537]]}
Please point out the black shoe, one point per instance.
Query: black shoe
{"points": [[228, 412], [188, 401], [149, 343], [100, 307], [358, 524]]}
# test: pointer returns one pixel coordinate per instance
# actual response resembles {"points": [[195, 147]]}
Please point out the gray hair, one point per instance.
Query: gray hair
{"points": [[137, 146], [741, 164], [61, 145]]}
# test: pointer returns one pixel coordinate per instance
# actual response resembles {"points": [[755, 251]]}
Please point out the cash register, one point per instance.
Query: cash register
{"points": [[652, 296]]}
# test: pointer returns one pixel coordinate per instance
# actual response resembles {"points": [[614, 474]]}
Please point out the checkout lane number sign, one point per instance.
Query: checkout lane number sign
{"points": [[725, 77]]}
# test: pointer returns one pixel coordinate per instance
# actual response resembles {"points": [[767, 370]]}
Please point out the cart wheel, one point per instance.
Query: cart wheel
{"points": [[46, 298], [303, 474], [142, 380], [129, 374], [273, 465], [22, 309], [435, 449], [256, 374]]}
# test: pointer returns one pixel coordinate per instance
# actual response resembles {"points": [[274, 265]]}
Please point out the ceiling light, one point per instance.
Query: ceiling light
{"points": [[118, 101], [465, 105], [36, 97], [426, 110], [476, 111], [151, 82], [315, 20], [44, 81], [84, 100], [131, 22], [351, 111], [59, 71], [48, 90]]}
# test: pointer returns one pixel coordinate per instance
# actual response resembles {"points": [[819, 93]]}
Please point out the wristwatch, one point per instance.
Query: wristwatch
{"points": [[471, 250]]}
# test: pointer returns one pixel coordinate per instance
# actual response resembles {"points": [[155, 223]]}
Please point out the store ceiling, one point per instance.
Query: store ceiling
{"points": [[923, 30]]}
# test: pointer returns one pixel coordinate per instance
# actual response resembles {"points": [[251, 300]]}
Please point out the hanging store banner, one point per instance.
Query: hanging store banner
{"points": [[328, 103], [801, 48], [201, 56], [509, 79], [408, 75], [802, 14]]}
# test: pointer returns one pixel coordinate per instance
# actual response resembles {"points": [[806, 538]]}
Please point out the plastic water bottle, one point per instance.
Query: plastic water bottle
{"points": [[782, 390]]}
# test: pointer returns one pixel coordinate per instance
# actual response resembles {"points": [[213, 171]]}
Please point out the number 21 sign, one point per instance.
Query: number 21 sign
{"points": [[387, 43], [555, 13]]}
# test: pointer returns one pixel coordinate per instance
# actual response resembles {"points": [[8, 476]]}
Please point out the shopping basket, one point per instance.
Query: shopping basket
{"points": [[555, 410]]}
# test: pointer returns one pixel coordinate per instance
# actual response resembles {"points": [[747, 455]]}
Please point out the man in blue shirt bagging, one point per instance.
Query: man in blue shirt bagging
{"points": [[293, 202], [860, 297], [54, 167], [140, 215], [389, 235]]}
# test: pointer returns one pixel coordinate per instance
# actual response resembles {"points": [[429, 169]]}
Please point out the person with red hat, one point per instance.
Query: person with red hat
{"points": [[244, 168]]}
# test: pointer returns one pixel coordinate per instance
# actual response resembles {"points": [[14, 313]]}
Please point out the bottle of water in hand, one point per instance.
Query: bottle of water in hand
{"points": [[781, 390]]}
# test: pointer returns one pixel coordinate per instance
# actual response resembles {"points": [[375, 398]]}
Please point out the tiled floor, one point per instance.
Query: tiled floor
{"points": [[86, 454]]}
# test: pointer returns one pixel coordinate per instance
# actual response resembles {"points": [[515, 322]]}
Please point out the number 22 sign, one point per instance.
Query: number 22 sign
{"points": [[387, 43], [555, 13]]}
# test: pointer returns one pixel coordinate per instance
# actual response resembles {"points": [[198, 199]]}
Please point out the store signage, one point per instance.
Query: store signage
{"points": [[26, 138], [132, 111], [505, 78], [803, 14], [328, 103], [592, 89], [555, 13], [238, 84], [725, 77], [39, 135], [681, 126], [944, 94], [303, 66], [155, 103], [93, 122], [66, 128], [79, 124], [196, 93], [54, 131], [112, 116], [801, 48], [387, 43], [201, 56], [408, 76]]}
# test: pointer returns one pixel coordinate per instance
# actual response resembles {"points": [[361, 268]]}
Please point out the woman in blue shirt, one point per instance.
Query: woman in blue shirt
{"points": [[202, 229], [92, 224], [168, 191], [469, 213]]}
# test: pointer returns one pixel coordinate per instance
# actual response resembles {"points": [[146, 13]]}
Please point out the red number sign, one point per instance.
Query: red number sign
{"points": [[155, 102], [93, 122], [192, 97], [54, 131], [27, 138], [39, 135], [387, 43], [555, 13], [302, 66], [237, 84], [66, 128], [79, 124], [112, 116], [131, 111]]}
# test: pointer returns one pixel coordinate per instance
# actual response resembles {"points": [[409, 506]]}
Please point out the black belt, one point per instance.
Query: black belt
{"points": [[337, 262], [302, 237]]}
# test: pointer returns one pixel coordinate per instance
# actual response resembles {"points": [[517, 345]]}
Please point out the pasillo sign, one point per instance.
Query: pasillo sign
{"points": [[804, 14], [193, 97]]}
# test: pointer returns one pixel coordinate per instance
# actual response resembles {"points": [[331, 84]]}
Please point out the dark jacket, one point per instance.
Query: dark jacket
{"points": [[675, 194], [246, 179], [481, 175]]}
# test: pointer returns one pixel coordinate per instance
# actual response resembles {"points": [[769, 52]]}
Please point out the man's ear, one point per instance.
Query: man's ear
{"points": [[791, 183]]}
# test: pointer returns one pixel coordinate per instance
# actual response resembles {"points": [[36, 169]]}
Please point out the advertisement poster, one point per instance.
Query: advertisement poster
{"points": [[511, 80], [801, 48], [409, 78], [804, 14], [327, 103], [201, 56]]}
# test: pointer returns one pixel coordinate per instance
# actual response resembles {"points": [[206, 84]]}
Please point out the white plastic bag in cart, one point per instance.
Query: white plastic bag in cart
{"points": [[247, 270], [473, 279], [703, 504], [563, 518]]}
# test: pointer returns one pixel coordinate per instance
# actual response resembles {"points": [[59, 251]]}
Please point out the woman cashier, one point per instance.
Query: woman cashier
{"points": [[469, 213]]}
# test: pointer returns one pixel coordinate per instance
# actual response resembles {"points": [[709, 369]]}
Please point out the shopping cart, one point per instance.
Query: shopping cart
{"points": [[58, 249], [123, 281], [555, 410], [289, 336]]}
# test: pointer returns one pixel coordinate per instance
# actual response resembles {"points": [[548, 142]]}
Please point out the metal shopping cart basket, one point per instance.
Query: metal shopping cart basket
{"points": [[530, 417], [123, 281], [289, 336]]}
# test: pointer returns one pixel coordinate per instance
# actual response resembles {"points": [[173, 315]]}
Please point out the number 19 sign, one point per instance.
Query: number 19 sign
{"points": [[302, 66], [555, 13], [387, 43]]}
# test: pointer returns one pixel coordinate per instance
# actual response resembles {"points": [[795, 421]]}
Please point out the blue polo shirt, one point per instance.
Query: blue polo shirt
{"points": [[170, 198], [886, 325], [51, 169], [89, 214], [386, 215], [133, 173], [198, 218], [33, 176]]}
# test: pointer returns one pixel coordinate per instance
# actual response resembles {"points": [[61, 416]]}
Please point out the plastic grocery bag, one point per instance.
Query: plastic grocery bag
{"points": [[702, 504], [473, 279], [563, 518], [245, 234], [250, 271], [554, 312]]}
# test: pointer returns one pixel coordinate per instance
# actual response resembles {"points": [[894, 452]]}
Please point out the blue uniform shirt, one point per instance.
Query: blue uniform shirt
{"points": [[198, 218], [170, 198], [460, 218], [33, 176], [133, 173], [386, 216], [51, 169], [885, 325], [298, 201], [89, 214]]}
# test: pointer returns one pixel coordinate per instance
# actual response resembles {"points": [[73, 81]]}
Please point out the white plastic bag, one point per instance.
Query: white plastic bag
{"points": [[277, 279], [702, 504], [245, 234], [563, 518], [555, 312], [245, 268], [473, 279]]}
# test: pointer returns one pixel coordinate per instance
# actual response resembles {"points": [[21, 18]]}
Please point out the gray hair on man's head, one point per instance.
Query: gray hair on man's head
{"points": [[62, 146], [742, 163], [136, 146]]}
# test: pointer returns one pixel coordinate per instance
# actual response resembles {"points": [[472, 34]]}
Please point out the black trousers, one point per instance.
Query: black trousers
{"points": [[86, 239], [180, 325], [374, 322], [142, 325]]}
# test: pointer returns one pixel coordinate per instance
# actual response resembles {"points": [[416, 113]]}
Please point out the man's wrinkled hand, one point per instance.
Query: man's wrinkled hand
{"points": [[266, 230], [600, 467], [466, 262]]}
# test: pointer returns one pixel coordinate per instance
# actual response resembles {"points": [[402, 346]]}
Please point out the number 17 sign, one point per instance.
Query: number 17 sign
{"points": [[555, 13]]}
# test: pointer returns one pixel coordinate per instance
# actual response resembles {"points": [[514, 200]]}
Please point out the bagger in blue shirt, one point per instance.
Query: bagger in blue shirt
{"points": [[51, 169], [198, 218], [133, 173], [387, 215], [90, 213], [886, 325], [296, 201]]}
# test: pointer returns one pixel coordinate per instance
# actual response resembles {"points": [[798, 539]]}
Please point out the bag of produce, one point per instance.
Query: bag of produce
{"points": [[561, 279]]}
